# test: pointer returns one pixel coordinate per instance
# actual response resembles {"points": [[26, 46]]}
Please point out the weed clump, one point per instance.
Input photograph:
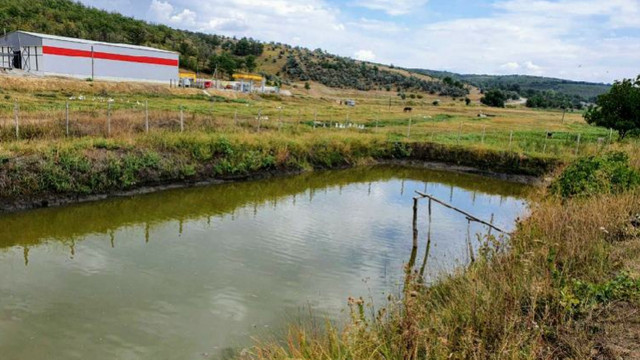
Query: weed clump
{"points": [[610, 173]]}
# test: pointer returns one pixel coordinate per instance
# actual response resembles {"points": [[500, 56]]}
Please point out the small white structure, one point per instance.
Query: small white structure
{"points": [[57, 55]]}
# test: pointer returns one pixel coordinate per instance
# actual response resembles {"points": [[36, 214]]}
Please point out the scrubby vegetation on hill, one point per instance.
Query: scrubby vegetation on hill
{"points": [[208, 53]]}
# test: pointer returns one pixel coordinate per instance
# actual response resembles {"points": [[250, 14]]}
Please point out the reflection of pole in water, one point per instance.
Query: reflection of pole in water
{"points": [[425, 187], [255, 209], [112, 239], [73, 248], [294, 199], [25, 254], [451, 195], [180, 224], [473, 201], [402, 188], [369, 190], [428, 249], [490, 222], [471, 256], [146, 233], [415, 222]]}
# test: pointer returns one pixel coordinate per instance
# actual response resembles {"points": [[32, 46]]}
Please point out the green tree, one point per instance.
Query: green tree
{"points": [[307, 86], [250, 63], [224, 62], [494, 97], [618, 109]]}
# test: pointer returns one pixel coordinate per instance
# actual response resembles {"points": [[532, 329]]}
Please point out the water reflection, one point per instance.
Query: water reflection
{"points": [[186, 272]]}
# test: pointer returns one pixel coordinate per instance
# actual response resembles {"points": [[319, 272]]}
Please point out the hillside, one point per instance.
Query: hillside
{"points": [[207, 53], [584, 91]]}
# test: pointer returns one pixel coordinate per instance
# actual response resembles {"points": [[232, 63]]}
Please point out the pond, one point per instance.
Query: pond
{"points": [[196, 273]]}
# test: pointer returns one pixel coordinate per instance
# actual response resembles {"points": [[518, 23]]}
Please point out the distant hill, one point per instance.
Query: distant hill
{"points": [[207, 53], [585, 91]]}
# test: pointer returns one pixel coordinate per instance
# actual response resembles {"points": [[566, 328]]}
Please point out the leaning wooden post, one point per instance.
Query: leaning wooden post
{"points": [[578, 145], [181, 119], [146, 116], [108, 119], [415, 222], [67, 117], [16, 115]]}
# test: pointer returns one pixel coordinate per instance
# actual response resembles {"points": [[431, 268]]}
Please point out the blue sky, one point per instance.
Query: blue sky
{"points": [[593, 40]]}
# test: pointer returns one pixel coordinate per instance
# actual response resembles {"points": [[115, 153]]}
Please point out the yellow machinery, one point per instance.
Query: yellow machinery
{"points": [[247, 77]]}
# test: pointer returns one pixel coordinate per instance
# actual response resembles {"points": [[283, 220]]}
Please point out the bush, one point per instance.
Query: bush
{"points": [[608, 173]]}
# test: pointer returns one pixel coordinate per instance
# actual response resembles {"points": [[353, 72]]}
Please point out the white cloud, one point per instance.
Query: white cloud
{"points": [[364, 55], [163, 11], [391, 7], [577, 39]]}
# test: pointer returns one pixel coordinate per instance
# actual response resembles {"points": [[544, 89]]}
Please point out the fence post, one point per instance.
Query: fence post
{"points": [[67, 117], [181, 119], [16, 111], [484, 132], [280, 120], [546, 138], [108, 119], [315, 117], [235, 118], [578, 145], [409, 130], [610, 136], [259, 119], [146, 116], [459, 134], [510, 139]]}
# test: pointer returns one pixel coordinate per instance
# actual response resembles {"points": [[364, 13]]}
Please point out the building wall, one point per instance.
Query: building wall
{"points": [[109, 62]]}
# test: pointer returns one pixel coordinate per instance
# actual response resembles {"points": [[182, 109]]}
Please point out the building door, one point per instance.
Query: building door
{"points": [[17, 59]]}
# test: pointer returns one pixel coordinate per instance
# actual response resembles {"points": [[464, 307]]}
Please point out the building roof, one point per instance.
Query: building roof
{"points": [[91, 42]]}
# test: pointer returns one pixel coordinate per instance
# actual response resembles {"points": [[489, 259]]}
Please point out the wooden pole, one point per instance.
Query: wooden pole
{"points": [[280, 120], [462, 212], [459, 133], [578, 145], [510, 139], [16, 115], [146, 116], [546, 138], [235, 118], [108, 119], [259, 119], [409, 130], [484, 132], [181, 119], [67, 117], [315, 117]]}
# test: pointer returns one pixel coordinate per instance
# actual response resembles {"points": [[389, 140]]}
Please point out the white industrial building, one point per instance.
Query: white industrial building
{"points": [[63, 56]]}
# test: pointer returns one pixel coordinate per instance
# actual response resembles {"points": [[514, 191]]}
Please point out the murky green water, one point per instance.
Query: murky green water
{"points": [[194, 273]]}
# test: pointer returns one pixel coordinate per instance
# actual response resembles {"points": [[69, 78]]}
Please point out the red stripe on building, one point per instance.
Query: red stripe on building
{"points": [[52, 50]]}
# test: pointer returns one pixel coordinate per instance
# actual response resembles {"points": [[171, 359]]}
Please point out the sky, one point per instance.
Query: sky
{"points": [[590, 40]]}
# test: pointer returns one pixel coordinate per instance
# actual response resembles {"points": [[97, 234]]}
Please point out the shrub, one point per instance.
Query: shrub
{"points": [[608, 173]]}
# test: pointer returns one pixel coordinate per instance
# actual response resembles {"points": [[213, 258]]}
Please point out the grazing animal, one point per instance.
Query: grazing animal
{"points": [[549, 135], [408, 109]]}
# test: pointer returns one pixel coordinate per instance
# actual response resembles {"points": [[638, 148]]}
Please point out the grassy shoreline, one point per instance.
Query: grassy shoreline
{"points": [[47, 173], [565, 286]]}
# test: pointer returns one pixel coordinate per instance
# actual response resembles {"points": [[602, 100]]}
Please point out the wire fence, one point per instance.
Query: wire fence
{"points": [[57, 120]]}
